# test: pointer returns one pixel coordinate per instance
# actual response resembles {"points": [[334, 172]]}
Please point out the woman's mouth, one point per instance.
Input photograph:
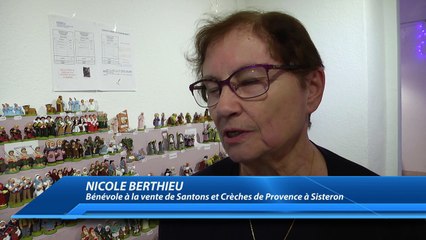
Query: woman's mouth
{"points": [[232, 134], [235, 136]]}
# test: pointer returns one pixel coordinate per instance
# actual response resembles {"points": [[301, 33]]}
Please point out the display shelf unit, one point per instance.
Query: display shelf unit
{"points": [[150, 164]]}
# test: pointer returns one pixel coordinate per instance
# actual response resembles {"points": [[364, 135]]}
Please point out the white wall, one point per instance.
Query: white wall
{"points": [[357, 40], [162, 33]]}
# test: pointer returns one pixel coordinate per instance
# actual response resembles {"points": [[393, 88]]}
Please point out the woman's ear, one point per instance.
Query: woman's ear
{"points": [[315, 88]]}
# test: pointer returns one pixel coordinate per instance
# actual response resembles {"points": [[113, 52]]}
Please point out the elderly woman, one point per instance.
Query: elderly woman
{"points": [[261, 77]]}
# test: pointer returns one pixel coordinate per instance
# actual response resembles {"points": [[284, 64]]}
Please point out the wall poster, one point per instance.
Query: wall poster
{"points": [[89, 56]]}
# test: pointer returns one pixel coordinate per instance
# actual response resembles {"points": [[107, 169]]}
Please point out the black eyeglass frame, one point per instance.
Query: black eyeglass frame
{"points": [[227, 81]]}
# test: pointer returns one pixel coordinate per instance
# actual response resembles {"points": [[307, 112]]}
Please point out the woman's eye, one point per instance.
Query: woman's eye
{"points": [[248, 82], [212, 90]]}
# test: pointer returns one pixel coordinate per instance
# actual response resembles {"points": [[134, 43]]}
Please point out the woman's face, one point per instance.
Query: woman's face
{"points": [[264, 128]]}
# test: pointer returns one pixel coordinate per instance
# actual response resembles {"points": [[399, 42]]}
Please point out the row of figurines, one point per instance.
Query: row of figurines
{"points": [[174, 119], [44, 127], [170, 144], [181, 141], [72, 105], [19, 191], [29, 228], [113, 229], [118, 229], [15, 110], [55, 152], [106, 167], [187, 170]]}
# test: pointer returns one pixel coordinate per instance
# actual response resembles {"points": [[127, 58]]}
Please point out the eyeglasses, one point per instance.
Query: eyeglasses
{"points": [[247, 82]]}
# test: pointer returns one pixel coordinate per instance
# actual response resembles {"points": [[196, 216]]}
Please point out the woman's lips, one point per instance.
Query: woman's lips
{"points": [[234, 136]]}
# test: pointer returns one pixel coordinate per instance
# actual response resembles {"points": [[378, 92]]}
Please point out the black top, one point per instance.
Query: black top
{"points": [[336, 166], [303, 229]]}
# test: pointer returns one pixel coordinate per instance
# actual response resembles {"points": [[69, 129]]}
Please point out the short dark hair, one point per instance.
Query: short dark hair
{"points": [[288, 40]]}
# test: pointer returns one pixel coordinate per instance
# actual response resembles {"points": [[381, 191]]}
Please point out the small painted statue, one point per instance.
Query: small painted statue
{"points": [[141, 121], [171, 142], [156, 121], [188, 117], [180, 119], [26, 159], [4, 137], [15, 133], [19, 110], [60, 105], [163, 120], [50, 151], [29, 132], [186, 170], [12, 162], [39, 158]]}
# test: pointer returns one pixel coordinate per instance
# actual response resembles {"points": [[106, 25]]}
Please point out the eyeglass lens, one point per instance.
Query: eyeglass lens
{"points": [[245, 83]]}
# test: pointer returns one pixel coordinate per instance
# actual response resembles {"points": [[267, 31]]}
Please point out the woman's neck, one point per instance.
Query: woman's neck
{"points": [[302, 161]]}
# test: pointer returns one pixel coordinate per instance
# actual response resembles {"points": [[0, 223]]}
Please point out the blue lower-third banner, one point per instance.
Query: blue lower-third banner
{"points": [[230, 197]]}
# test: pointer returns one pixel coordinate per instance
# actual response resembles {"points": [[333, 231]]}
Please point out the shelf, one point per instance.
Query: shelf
{"points": [[151, 164]]}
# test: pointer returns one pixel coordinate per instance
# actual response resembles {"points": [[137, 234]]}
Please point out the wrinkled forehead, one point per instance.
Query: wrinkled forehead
{"points": [[242, 29], [239, 46]]}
